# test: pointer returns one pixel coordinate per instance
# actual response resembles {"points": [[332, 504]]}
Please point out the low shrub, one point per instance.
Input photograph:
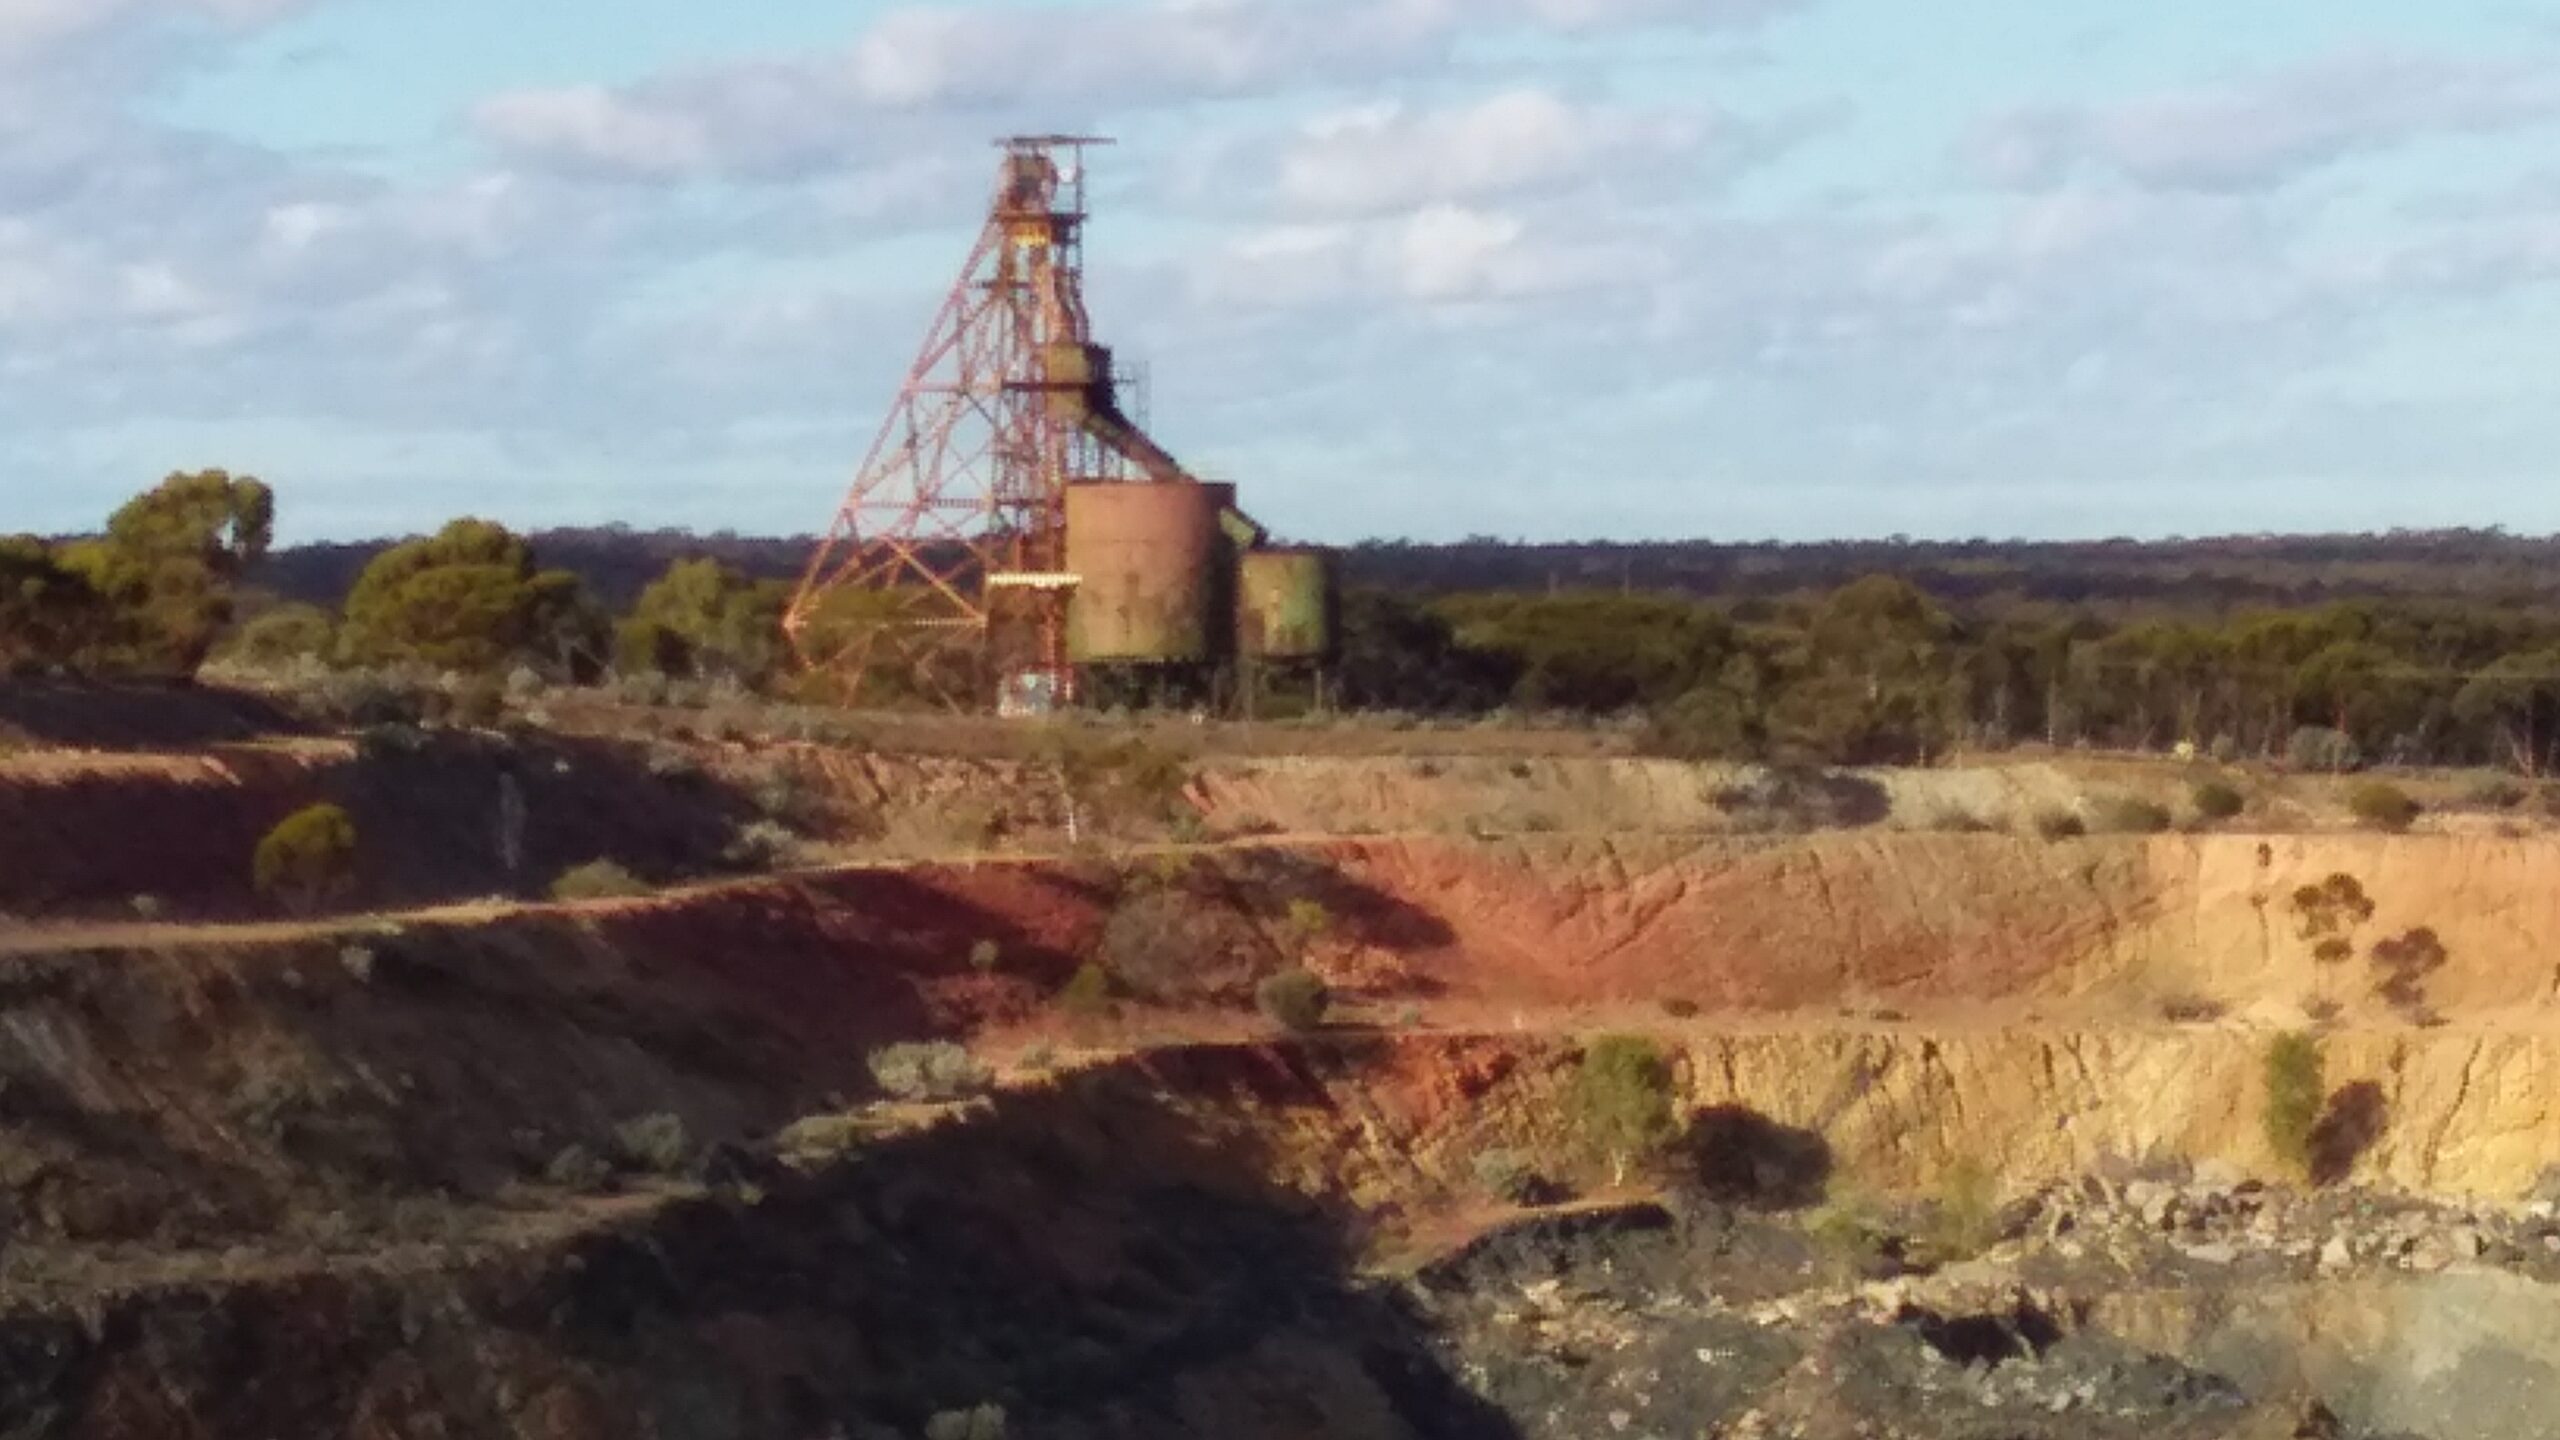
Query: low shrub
{"points": [[283, 635], [1789, 799], [1956, 819], [1507, 1176], [1680, 1009], [597, 880], [2218, 800], [2380, 805], [1964, 1215], [2132, 815], [392, 740], [308, 860], [762, 845], [2317, 748], [1849, 1234], [361, 699], [986, 1422], [985, 957], [2057, 823], [1166, 943], [1307, 922], [2192, 1010], [2494, 792], [2296, 1080], [1296, 999], [577, 1168], [934, 1070], [1124, 778], [814, 1141], [655, 1143], [1087, 994], [476, 702]]}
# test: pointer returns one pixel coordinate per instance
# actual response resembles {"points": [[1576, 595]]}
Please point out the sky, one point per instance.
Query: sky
{"points": [[1544, 269]]}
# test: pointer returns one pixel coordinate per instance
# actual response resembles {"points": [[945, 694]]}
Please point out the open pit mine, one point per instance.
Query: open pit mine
{"points": [[1009, 1071]]}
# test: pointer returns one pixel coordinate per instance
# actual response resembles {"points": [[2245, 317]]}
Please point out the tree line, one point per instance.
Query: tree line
{"points": [[169, 584], [1878, 669], [2116, 579]]}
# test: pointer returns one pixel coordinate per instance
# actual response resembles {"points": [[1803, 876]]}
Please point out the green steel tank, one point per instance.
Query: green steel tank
{"points": [[1284, 604], [1149, 559]]}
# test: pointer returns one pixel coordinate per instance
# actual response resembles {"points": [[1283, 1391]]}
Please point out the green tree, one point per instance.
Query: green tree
{"points": [[50, 615], [1874, 680], [468, 598], [572, 634], [2166, 671], [308, 860], [2362, 690], [1595, 651], [1397, 654], [2296, 1081], [1724, 719], [2517, 698], [1622, 1100], [703, 618], [169, 564]]}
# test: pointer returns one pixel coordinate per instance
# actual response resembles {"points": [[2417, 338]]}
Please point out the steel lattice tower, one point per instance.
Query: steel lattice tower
{"points": [[946, 559]]}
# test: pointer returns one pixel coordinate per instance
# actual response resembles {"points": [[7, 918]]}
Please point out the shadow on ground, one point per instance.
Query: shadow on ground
{"points": [[135, 715], [1087, 1260]]}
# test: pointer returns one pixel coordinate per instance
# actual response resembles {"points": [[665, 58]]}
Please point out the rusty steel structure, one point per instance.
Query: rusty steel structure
{"points": [[947, 561]]}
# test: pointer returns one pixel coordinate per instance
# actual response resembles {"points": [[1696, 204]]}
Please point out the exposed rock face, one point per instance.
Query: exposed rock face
{"points": [[2116, 926], [1165, 1244], [1164, 1247], [2459, 1113]]}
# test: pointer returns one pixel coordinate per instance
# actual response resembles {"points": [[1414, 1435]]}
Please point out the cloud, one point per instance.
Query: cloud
{"points": [[789, 117], [2266, 129], [2472, 246], [39, 33], [1436, 256], [604, 131], [1395, 157]]}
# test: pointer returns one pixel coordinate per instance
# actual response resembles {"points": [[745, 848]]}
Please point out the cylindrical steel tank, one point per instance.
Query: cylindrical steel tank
{"points": [[1148, 558], [1284, 604]]}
